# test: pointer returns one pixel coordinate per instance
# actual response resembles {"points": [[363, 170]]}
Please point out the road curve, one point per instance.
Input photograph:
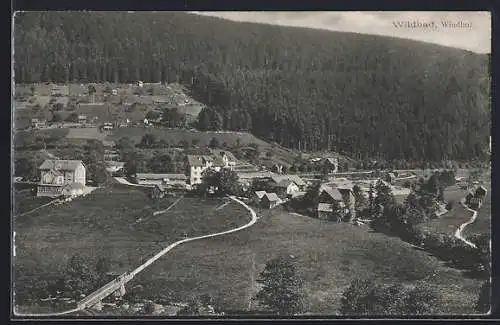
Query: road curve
{"points": [[130, 275], [458, 233]]}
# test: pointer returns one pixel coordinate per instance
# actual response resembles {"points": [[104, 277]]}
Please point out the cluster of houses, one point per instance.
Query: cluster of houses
{"points": [[475, 198]]}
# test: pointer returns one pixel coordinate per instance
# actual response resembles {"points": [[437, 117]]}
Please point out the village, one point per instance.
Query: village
{"points": [[110, 148]]}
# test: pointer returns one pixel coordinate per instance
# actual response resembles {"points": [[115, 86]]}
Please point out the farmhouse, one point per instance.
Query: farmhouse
{"points": [[160, 179], [59, 175], [270, 200], [258, 195], [107, 126], [331, 165], [38, 124], [227, 157], [333, 197], [286, 187], [480, 192], [276, 179]]}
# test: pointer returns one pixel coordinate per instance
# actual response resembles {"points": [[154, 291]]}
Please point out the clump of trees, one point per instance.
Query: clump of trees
{"points": [[282, 287], [370, 298], [223, 182]]}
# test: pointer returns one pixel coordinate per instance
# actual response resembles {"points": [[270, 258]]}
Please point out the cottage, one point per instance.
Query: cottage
{"points": [[276, 180], [480, 192], [332, 196], [38, 124], [286, 187], [227, 157], [258, 195], [56, 174], [270, 200], [331, 165]]}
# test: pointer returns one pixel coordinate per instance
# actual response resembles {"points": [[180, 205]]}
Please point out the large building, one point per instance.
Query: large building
{"points": [[197, 164], [61, 177]]}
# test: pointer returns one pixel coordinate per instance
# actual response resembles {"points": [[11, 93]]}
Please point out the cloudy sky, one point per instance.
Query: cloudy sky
{"points": [[472, 31]]}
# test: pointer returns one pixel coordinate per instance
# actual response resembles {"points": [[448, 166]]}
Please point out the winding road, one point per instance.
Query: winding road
{"points": [[458, 233], [97, 295]]}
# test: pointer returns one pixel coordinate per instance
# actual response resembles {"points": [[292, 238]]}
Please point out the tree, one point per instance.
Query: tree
{"points": [[73, 117], [367, 297], [282, 290], [56, 117], [160, 163], [483, 304], [214, 143], [25, 168], [97, 172], [361, 202], [152, 115], [148, 140], [228, 182], [79, 278], [91, 90]]}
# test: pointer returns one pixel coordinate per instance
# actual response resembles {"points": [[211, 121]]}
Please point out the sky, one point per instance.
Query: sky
{"points": [[472, 30]]}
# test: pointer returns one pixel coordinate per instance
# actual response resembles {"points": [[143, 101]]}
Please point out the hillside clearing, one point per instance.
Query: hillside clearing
{"points": [[329, 256]]}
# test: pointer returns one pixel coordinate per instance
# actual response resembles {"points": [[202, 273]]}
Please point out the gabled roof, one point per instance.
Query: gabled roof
{"points": [[61, 164], [332, 161], [260, 194], [196, 160], [334, 193], [325, 207], [284, 183], [294, 178], [272, 197]]}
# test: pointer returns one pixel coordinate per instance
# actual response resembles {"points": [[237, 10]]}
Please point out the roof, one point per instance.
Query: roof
{"points": [[195, 160], [61, 164], [285, 183], [218, 162], [325, 207], [294, 178], [481, 188], [160, 176], [260, 194], [334, 193], [272, 197], [332, 161]]}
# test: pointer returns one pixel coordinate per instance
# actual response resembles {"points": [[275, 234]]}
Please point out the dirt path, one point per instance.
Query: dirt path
{"points": [[124, 278], [458, 233]]}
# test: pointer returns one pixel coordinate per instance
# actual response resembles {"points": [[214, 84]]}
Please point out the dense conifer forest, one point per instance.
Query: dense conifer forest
{"points": [[366, 96]]}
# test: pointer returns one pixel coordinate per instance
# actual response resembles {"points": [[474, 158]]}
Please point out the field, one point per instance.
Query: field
{"points": [[451, 220], [329, 256], [24, 201], [123, 217]]}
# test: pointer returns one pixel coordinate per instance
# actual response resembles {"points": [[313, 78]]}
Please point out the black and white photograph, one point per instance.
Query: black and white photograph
{"points": [[246, 164]]}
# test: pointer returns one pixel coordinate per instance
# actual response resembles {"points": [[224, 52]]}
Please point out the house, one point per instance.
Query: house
{"points": [[331, 165], [37, 123], [286, 187], [160, 179], [197, 164], [258, 195], [326, 211], [114, 92], [111, 155], [227, 157], [107, 126], [480, 192], [140, 84], [332, 196], [270, 200], [82, 119], [294, 178], [55, 175]]}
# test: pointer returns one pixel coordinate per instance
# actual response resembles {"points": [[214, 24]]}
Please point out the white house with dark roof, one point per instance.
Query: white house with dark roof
{"points": [[59, 177], [197, 164], [270, 200]]}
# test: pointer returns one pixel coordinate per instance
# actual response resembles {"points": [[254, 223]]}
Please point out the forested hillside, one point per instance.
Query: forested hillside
{"points": [[368, 96]]}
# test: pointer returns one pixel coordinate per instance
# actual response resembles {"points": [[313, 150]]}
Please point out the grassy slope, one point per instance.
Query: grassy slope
{"points": [[51, 235], [330, 255]]}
